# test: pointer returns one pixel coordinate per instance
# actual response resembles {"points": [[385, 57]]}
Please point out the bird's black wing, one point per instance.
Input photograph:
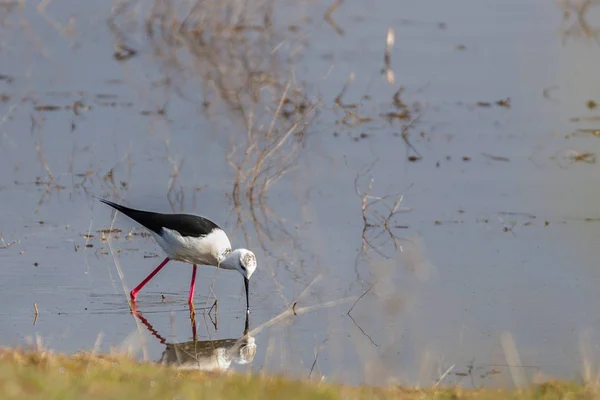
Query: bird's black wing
{"points": [[185, 224]]}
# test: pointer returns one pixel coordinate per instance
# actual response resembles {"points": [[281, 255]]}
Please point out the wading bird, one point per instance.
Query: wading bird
{"points": [[190, 239]]}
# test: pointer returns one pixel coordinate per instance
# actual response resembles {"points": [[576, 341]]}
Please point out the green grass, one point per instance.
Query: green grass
{"points": [[43, 375]]}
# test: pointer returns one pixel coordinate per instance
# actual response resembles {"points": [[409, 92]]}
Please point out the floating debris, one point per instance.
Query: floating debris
{"points": [[524, 214], [123, 52], [398, 103], [141, 234], [363, 135], [594, 118], [574, 156], [109, 176], [113, 230], [504, 103], [589, 158], [353, 119], [436, 222], [546, 93], [162, 111], [114, 104], [48, 108], [390, 116], [495, 158], [585, 133], [79, 106]]}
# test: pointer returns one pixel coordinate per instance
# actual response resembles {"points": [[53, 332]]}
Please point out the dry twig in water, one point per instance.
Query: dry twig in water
{"points": [[35, 308], [354, 321], [330, 20], [373, 218]]}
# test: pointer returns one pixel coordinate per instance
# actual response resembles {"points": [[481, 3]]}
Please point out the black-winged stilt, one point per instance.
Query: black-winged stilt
{"points": [[191, 239]]}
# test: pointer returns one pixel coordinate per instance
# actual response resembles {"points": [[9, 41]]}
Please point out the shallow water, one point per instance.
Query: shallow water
{"points": [[494, 233]]}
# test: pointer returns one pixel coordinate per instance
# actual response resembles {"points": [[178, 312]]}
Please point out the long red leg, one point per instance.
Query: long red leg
{"points": [[192, 285], [139, 287]]}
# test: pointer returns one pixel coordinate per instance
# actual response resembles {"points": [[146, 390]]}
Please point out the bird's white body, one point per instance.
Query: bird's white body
{"points": [[205, 250]]}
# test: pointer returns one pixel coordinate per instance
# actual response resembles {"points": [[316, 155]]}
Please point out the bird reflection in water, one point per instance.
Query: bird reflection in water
{"points": [[204, 355]]}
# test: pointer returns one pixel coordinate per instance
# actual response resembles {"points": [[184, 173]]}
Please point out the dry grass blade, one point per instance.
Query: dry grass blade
{"points": [[513, 360], [125, 290], [387, 56], [307, 288], [444, 375]]}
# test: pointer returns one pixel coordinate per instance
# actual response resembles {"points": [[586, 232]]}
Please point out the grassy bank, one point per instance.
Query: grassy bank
{"points": [[43, 375]]}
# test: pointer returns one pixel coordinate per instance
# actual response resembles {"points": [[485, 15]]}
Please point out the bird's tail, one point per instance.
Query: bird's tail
{"points": [[116, 206], [136, 215]]}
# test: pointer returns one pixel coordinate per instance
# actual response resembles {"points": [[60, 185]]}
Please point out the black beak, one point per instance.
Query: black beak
{"points": [[246, 282], [247, 324]]}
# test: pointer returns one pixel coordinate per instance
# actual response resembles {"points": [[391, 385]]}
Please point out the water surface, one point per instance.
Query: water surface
{"points": [[488, 171]]}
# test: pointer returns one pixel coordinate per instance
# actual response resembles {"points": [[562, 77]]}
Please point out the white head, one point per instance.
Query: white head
{"points": [[243, 261]]}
